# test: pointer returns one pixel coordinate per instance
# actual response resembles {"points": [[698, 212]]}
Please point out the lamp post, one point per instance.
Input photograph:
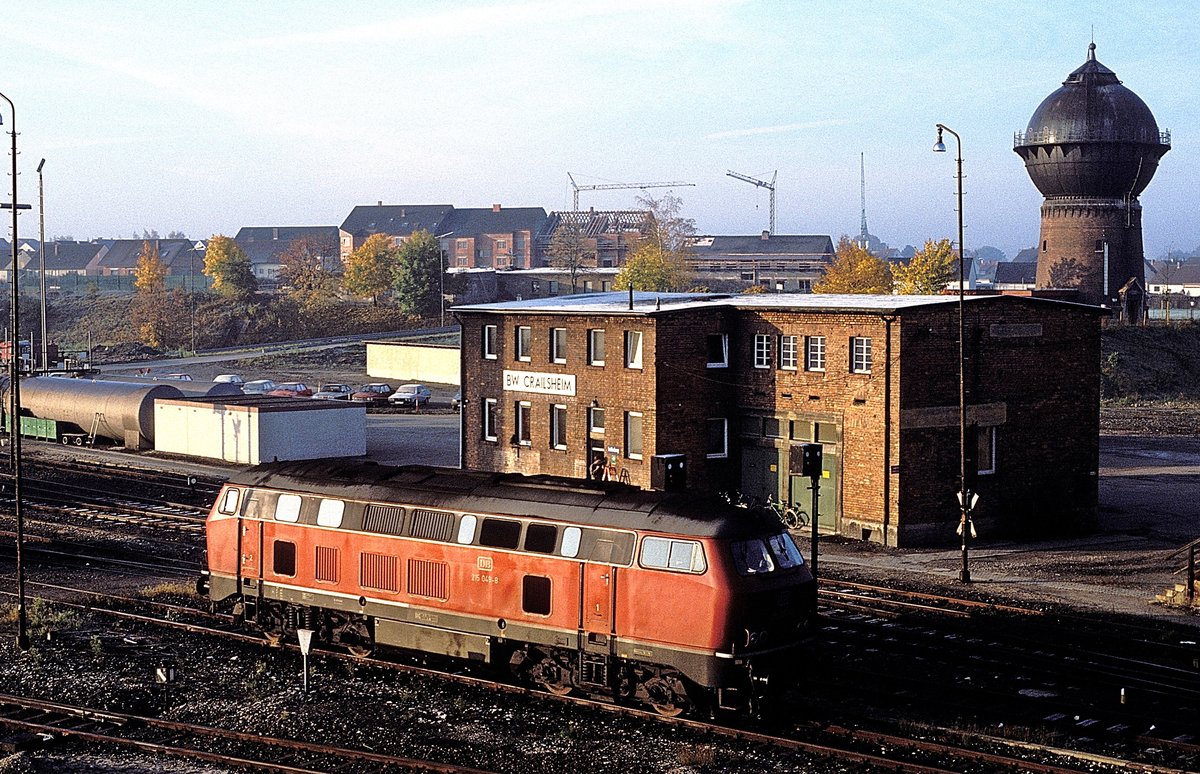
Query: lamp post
{"points": [[42, 253], [14, 396], [964, 497]]}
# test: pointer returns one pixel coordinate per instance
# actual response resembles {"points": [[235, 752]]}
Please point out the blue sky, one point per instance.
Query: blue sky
{"points": [[209, 116]]}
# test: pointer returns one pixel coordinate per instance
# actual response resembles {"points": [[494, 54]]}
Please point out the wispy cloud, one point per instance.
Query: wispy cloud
{"points": [[779, 129]]}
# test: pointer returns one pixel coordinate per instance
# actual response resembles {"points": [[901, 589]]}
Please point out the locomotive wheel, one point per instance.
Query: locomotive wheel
{"points": [[557, 689], [667, 710], [666, 694]]}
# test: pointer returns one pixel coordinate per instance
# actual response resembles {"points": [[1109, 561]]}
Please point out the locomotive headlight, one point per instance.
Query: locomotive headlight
{"points": [[755, 639]]}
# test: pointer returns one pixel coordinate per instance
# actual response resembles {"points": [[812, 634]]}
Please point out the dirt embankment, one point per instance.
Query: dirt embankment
{"points": [[1151, 363]]}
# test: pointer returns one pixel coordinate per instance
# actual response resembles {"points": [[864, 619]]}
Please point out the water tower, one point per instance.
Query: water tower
{"points": [[1091, 147]]}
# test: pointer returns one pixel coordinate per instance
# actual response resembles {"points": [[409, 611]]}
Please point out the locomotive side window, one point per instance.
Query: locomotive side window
{"points": [[535, 595], [287, 508], [676, 555], [330, 513], [541, 538], [327, 564], [783, 546], [751, 557], [500, 533], [570, 542], [229, 502], [284, 558], [466, 529]]}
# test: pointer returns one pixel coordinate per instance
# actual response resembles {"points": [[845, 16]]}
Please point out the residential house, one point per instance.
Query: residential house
{"points": [[777, 262], [490, 237], [1015, 275], [264, 246], [397, 221], [608, 235]]}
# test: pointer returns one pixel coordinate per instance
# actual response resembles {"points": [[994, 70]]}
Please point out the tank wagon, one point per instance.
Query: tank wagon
{"points": [[121, 411], [675, 601]]}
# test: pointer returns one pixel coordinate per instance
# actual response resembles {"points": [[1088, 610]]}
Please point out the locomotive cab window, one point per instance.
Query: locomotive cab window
{"points": [[751, 557], [330, 513], [535, 595], [283, 561], [229, 502], [783, 547], [570, 542], [287, 508], [500, 533], [541, 538], [675, 555], [466, 529]]}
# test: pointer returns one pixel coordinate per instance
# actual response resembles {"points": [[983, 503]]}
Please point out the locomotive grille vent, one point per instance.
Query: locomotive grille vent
{"points": [[388, 519], [327, 564], [427, 579], [378, 571], [432, 525]]}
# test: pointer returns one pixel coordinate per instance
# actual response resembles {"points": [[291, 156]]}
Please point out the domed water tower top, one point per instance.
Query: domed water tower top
{"points": [[1092, 137]]}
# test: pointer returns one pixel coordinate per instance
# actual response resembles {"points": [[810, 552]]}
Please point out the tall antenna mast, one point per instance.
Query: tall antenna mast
{"points": [[863, 238]]}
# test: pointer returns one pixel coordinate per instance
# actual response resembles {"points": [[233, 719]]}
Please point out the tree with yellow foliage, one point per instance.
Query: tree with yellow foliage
{"points": [[855, 270], [929, 270]]}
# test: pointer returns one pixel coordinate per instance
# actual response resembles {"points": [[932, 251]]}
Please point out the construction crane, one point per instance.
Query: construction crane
{"points": [[761, 184], [616, 186]]}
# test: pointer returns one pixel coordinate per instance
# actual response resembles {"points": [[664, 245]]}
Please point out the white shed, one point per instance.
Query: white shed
{"points": [[252, 429]]}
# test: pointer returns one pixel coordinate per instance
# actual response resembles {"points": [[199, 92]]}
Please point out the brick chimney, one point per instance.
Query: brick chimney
{"points": [[495, 208], [765, 235]]}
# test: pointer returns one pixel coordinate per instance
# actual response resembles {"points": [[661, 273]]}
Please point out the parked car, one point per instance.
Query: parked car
{"points": [[258, 387], [376, 392], [228, 379], [291, 390], [334, 392], [410, 396], [456, 401], [175, 377]]}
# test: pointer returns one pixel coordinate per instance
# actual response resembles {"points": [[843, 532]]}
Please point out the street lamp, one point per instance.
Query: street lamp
{"points": [[14, 395], [965, 500]]}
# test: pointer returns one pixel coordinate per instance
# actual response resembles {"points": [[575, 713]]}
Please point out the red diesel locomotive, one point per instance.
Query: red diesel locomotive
{"points": [[672, 600]]}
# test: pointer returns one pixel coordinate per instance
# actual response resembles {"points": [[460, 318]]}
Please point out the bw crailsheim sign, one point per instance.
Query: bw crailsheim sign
{"points": [[533, 381]]}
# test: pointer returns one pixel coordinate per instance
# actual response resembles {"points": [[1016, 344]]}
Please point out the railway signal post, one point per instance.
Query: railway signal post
{"points": [[810, 466]]}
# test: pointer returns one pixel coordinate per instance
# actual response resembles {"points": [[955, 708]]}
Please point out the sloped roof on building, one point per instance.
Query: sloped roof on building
{"points": [[71, 256], [1028, 255], [466, 221], [651, 304], [594, 222], [124, 253], [1014, 273], [775, 245], [395, 219], [1178, 273], [264, 244]]}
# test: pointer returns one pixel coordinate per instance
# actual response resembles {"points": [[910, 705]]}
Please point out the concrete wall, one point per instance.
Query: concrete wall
{"points": [[406, 362], [253, 434]]}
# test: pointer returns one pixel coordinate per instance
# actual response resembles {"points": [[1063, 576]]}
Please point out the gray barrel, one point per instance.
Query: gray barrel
{"points": [[123, 408]]}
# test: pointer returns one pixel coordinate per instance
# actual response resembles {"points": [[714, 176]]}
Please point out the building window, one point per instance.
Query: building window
{"points": [[633, 349], [718, 350], [558, 345], [524, 343], [587, 286], [596, 347], [814, 353], [762, 350], [596, 421], [772, 428], [787, 353], [462, 244], [489, 342], [633, 435], [605, 285], [552, 287], [501, 244], [716, 439], [860, 355], [523, 436], [558, 426], [489, 419], [987, 450]]}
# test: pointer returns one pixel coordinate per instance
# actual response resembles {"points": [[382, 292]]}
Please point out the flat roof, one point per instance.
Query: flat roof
{"points": [[648, 304]]}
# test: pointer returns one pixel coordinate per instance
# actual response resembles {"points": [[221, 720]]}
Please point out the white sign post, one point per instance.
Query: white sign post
{"points": [[305, 636]]}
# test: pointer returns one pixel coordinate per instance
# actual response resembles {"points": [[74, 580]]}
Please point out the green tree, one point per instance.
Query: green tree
{"points": [[660, 261], [855, 270], [570, 252], [229, 267], [370, 269], [418, 280], [929, 270], [306, 269]]}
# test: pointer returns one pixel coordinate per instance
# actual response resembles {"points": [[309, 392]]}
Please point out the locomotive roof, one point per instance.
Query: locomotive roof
{"points": [[590, 503]]}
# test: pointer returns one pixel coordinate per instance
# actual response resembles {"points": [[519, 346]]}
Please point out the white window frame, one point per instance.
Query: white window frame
{"points": [[789, 353], [523, 349], [592, 412], [814, 353], [558, 345], [490, 350], [724, 452], [762, 350], [633, 349], [629, 453], [860, 355], [524, 419], [558, 426], [591, 354], [990, 431], [489, 419], [675, 552], [230, 500], [724, 361], [466, 529]]}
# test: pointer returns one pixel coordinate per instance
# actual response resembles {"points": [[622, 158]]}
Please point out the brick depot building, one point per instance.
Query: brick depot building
{"points": [[594, 385]]}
